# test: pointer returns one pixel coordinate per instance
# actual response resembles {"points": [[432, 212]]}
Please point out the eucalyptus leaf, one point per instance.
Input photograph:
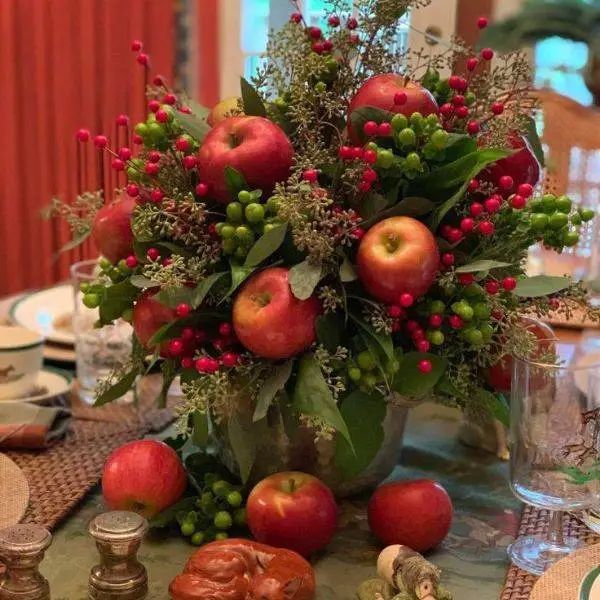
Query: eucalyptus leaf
{"points": [[235, 182], [194, 127], [313, 397], [329, 329], [459, 144], [267, 244], [117, 298], [303, 279], [169, 371], [372, 204], [270, 388], [139, 281], [239, 274], [202, 289], [409, 381], [540, 285], [119, 389], [347, 272], [199, 111], [200, 428], [253, 104], [382, 340], [174, 296], [482, 265], [363, 414], [243, 442]]}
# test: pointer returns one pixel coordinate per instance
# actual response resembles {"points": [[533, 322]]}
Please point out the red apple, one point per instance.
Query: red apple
{"points": [[254, 146], [111, 229], [145, 476], [417, 514], [292, 510], [269, 320], [397, 256], [379, 92], [149, 316], [522, 166], [499, 375]]}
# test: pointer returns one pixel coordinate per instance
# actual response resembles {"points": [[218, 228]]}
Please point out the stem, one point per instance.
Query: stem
{"points": [[555, 530]]}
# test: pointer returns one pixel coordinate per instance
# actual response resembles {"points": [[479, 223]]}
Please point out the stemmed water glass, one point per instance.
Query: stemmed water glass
{"points": [[553, 431]]}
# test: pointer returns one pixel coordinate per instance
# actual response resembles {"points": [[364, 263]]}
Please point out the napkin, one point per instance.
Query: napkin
{"points": [[29, 426]]}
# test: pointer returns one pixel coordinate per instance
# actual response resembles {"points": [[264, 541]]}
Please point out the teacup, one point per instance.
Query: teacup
{"points": [[21, 356]]}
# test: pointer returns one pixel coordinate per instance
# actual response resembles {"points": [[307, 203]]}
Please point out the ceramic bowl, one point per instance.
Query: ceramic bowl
{"points": [[590, 586], [21, 356]]}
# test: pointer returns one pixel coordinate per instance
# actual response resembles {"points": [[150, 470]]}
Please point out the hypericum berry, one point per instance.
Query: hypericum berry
{"points": [[458, 100], [175, 347], [435, 321], [454, 235], [327, 46], [492, 287], [117, 164], [370, 128], [157, 195], [487, 54], [162, 116], [189, 162], [553, 303], [486, 228], [82, 135], [497, 108], [467, 225], [318, 47], [423, 346], [370, 157], [353, 37], [492, 205], [132, 190], [466, 278], [182, 144], [473, 127], [454, 82], [425, 366], [462, 112], [406, 300], [183, 310], [418, 334], [455, 321], [122, 120], [124, 153], [473, 185], [476, 209], [131, 261], [187, 362], [229, 359], [315, 33], [186, 110], [525, 190], [170, 99], [472, 64], [506, 183], [151, 168], [203, 364], [369, 175], [358, 233], [482, 22], [394, 311], [509, 283], [446, 110], [345, 152], [497, 314], [310, 175], [202, 189], [167, 261], [448, 259], [136, 45], [157, 80], [142, 59], [153, 254], [384, 129], [296, 17], [333, 20], [352, 23], [154, 156], [154, 106], [187, 335], [411, 326], [137, 139], [518, 202], [364, 186], [100, 141], [400, 98], [225, 329]]}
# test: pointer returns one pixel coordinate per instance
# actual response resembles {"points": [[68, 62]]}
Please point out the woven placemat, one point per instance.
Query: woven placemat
{"points": [[519, 584], [14, 492], [61, 476]]}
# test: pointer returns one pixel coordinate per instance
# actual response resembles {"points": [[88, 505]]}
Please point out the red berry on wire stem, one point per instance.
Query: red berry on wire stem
{"points": [[154, 106], [136, 45], [157, 195], [117, 164], [132, 190], [183, 310], [525, 190], [315, 33], [509, 283], [352, 23], [448, 259], [492, 287], [466, 278], [455, 321], [122, 120], [369, 175], [124, 153], [154, 156], [462, 112], [472, 64], [492, 205], [202, 189], [175, 347], [169, 99], [100, 141], [225, 329], [310, 175], [131, 261], [435, 321], [187, 362], [189, 162], [487, 54], [142, 59], [482, 22], [518, 202], [333, 21], [425, 366], [406, 300], [473, 128], [506, 183], [486, 228], [162, 116], [446, 110], [153, 254], [82, 135], [370, 128], [158, 80], [423, 346], [497, 108], [296, 17], [459, 100], [384, 129], [394, 311], [473, 185], [467, 225]]}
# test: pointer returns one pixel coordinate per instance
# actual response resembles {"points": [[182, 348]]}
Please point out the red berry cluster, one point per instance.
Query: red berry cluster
{"points": [[369, 157]]}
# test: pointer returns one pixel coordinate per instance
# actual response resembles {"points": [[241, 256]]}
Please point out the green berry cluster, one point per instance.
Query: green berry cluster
{"points": [[247, 219], [219, 508], [441, 90], [553, 221], [155, 134], [475, 313], [93, 293], [364, 371]]}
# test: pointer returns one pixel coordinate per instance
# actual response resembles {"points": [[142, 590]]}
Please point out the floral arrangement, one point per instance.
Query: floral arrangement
{"points": [[348, 235]]}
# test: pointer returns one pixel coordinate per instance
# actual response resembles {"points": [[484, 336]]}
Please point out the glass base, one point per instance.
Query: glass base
{"points": [[536, 554]]}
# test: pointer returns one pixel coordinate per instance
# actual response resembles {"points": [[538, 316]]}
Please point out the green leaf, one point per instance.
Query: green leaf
{"points": [[412, 206], [173, 296], [329, 329], [409, 381], [204, 287], [270, 388], [540, 285], [193, 126], [312, 396], [482, 265], [347, 272], [359, 117], [382, 340], [77, 241], [267, 244], [199, 111], [253, 104], [534, 141], [459, 144], [235, 181], [446, 387], [169, 371], [239, 274], [304, 278], [139, 281], [168, 331], [502, 410], [117, 298], [200, 428], [169, 515], [119, 389], [243, 442], [363, 414], [372, 204]]}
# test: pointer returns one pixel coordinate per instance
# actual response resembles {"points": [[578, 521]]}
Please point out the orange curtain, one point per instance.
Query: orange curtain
{"points": [[207, 26], [64, 64]]}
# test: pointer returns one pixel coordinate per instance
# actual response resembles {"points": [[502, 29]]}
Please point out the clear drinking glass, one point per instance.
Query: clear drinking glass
{"points": [[550, 434], [98, 351]]}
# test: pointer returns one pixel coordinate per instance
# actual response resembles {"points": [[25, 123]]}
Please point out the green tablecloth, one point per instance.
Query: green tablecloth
{"points": [[472, 558]]}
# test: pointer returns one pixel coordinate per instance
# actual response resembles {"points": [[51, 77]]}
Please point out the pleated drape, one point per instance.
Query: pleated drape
{"points": [[64, 64]]}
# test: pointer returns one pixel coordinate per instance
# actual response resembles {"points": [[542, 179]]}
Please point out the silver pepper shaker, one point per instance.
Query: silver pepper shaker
{"points": [[119, 575], [22, 549]]}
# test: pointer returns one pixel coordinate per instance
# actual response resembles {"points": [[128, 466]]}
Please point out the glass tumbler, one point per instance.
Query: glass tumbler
{"points": [[97, 351], [553, 408]]}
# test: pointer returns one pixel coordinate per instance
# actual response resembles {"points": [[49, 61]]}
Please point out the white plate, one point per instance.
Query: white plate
{"points": [[44, 310], [55, 382]]}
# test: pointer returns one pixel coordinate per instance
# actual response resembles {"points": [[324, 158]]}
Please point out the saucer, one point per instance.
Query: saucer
{"points": [[49, 384]]}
